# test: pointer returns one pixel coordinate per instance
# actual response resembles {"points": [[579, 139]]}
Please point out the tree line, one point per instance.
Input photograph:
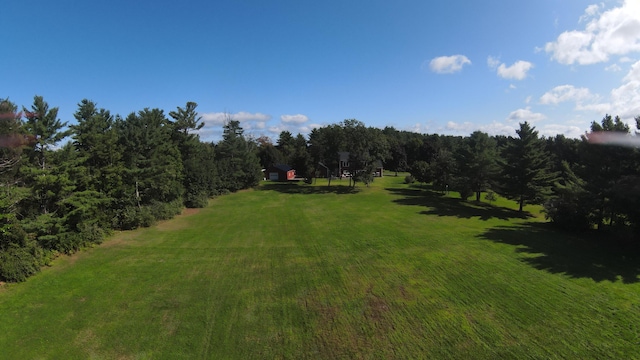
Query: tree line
{"points": [[115, 173], [122, 173], [580, 185]]}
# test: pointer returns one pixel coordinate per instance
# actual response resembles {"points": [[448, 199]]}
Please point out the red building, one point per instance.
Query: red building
{"points": [[280, 172]]}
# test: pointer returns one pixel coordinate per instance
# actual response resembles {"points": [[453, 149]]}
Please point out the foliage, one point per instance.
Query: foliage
{"points": [[43, 124], [477, 166], [421, 171], [525, 176], [238, 165], [125, 173]]}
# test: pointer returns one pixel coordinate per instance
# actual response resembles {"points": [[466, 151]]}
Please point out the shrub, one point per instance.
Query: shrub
{"points": [[465, 192], [18, 263], [196, 200], [132, 217], [490, 196], [164, 211], [409, 179]]}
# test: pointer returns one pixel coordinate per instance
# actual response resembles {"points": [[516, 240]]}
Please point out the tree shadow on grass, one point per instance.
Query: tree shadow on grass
{"points": [[440, 205], [300, 188], [588, 255]]}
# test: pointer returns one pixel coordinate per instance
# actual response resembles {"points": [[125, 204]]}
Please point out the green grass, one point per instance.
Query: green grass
{"points": [[298, 271]]}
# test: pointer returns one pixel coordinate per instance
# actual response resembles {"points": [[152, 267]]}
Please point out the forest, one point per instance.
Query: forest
{"points": [[114, 173]]}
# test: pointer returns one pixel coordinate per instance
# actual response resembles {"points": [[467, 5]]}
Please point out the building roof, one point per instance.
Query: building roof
{"points": [[283, 167]]}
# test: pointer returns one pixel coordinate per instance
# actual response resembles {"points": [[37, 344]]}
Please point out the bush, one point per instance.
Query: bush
{"points": [[567, 215], [18, 263], [132, 217], [164, 211], [409, 179], [465, 193], [196, 200], [490, 196]]}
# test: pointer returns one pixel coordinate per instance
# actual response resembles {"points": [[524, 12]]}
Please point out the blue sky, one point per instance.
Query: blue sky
{"points": [[448, 67]]}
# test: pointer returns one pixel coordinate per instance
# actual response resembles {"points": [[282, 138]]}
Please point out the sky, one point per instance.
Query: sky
{"points": [[448, 67]]}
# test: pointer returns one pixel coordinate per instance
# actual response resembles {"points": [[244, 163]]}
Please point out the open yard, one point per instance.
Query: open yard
{"points": [[310, 272]]}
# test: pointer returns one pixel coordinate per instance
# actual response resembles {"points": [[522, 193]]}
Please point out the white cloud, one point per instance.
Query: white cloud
{"points": [[218, 118], [551, 130], [498, 128], [614, 32], [564, 93], [295, 119], [522, 115], [613, 68], [292, 127], [493, 62], [591, 11], [448, 64], [625, 100], [517, 71], [583, 98], [466, 128]]}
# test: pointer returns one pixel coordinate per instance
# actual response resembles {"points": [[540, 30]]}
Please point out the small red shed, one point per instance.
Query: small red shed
{"points": [[280, 172]]}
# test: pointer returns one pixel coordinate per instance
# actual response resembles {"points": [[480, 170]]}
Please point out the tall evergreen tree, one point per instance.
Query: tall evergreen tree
{"points": [[44, 125], [525, 174], [153, 162], [477, 165], [603, 168], [238, 164], [199, 178], [95, 138]]}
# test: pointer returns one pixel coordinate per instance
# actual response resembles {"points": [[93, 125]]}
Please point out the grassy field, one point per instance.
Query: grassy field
{"points": [[310, 272]]}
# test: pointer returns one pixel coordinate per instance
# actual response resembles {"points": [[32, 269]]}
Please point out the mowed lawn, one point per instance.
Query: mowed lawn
{"points": [[310, 272]]}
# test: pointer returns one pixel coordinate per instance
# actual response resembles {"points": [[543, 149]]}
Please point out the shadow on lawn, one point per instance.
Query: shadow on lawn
{"points": [[297, 188], [440, 205], [577, 255]]}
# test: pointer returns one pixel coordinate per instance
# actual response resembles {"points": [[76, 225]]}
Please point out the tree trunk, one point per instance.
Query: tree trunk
{"points": [[521, 203]]}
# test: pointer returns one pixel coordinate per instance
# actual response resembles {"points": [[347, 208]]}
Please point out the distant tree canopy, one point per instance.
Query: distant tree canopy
{"points": [[123, 173]]}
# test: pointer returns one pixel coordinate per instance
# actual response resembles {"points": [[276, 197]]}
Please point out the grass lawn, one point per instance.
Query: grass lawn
{"points": [[311, 272]]}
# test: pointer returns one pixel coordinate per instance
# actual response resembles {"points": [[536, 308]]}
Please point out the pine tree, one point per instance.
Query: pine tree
{"points": [[238, 164], [477, 165], [95, 138], [525, 174], [44, 125]]}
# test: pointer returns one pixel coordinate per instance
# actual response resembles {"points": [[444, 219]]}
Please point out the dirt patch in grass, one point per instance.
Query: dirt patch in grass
{"points": [[188, 211], [120, 238], [377, 312], [71, 259], [176, 223]]}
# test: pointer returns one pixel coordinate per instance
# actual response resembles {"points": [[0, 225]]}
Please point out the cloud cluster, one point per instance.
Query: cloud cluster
{"points": [[565, 93], [614, 32], [254, 124], [294, 119], [498, 128], [219, 118], [448, 64], [522, 115], [517, 71], [623, 100]]}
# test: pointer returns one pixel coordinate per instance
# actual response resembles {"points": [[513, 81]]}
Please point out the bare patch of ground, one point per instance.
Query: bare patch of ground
{"points": [[176, 223]]}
